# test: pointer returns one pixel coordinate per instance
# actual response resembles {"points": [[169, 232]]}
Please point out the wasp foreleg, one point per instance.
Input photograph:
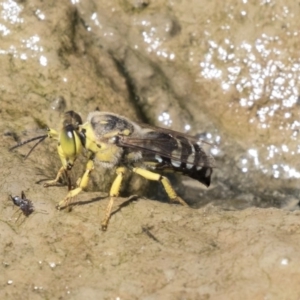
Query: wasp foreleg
{"points": [[83, 184], [58, 176], [53, 134]]}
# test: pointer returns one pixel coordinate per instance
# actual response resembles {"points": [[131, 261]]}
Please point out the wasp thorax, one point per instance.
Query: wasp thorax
{"points": [[107, 125]]}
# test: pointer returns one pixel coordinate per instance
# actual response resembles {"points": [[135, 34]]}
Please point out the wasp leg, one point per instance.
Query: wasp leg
{"points": [[165, 182], [20, 214], [58, 176], [114, 192], [68, 150], [83, 184], [53, 134]]}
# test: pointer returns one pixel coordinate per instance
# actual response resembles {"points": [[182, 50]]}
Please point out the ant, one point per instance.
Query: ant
{"points": [[25, 204]]}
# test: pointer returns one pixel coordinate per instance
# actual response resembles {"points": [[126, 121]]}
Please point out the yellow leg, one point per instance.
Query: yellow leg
{"points": [[58, 176], [66, 166], [114, 192], [83, 184], [165, 182]]}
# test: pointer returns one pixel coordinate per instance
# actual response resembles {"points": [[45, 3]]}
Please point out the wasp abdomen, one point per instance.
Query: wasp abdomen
{"points": [[170, 153], [202, 174]]}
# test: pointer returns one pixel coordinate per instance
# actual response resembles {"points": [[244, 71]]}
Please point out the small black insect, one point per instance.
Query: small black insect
{"points": [[25, 204]]}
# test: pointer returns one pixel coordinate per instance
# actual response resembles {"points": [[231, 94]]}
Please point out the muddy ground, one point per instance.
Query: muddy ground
{"points": [[228, 73], [152, 250]]}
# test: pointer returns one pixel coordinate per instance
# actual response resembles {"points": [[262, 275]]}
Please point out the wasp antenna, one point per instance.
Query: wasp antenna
{"points": [[41, 137]]}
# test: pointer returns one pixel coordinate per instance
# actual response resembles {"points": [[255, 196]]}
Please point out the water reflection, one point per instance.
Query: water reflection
{"points": [[165, 119], [40, 15], [278, 169], [250, 72], [10, 12], [267, 83], [155, 30]]}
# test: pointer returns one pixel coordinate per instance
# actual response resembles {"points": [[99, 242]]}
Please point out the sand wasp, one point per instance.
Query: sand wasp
{"points": [[116, 142]]}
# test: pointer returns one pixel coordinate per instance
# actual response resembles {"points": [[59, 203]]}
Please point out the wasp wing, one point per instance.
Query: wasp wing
{"points": [[174, 133], [175, 146]]}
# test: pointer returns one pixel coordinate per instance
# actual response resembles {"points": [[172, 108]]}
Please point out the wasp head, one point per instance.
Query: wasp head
{"points": [[71, 139]]}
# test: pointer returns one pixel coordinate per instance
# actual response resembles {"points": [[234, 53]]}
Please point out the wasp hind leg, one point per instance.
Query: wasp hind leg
{"points": [[165, 182], [81, 186], [114, 192]]}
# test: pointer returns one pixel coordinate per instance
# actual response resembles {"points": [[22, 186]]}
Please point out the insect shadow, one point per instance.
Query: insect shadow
{"points": [[79, 203], [147, 230], [125, 203]]}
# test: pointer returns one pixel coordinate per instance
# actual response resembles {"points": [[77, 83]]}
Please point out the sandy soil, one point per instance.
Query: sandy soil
{"points": [[162, 62], [151, 250]]}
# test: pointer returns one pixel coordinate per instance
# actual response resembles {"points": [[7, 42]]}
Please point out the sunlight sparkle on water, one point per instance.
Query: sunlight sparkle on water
{"points": [[265, 78], [43, 60], [94, 18], [154, 32], [23, 56], [10, 12], [254, 154], [165, 119], [52, 265], [187, 127], [28, 49], [39, 14], [284, 261], [5, 31], [32, 43], [265, 74]]}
